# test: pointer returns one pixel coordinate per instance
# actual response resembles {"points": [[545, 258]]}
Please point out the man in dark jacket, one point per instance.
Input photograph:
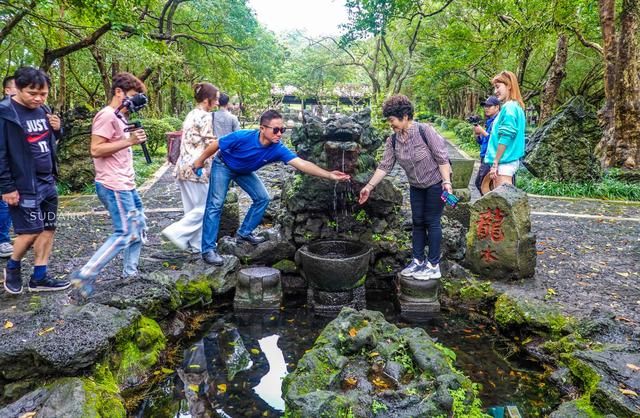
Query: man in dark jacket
{"points": [[27, 178]]}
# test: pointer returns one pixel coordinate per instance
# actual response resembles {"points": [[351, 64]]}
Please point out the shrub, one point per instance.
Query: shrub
{"points": [[156, 130], [176, 123], [452, 123], [464, 132]]}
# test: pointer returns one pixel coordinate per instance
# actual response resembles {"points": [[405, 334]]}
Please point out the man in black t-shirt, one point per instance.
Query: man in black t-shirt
{"points": [[27, 178]]}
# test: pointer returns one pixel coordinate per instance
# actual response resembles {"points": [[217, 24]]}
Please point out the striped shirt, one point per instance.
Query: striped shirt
{"points": [[419, 160]]}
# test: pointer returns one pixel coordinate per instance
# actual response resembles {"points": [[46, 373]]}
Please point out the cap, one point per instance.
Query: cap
{"points": [[491, 101]]}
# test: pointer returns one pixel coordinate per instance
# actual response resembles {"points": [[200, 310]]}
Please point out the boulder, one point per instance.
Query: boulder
{"points": [[274, 249], [500, 244], [154, 294], [361, 363], [199, 282], [563, 148], [69, 398], [54, 338], [611, 377]]}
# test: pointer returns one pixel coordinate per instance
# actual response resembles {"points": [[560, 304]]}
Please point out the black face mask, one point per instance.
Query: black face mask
{"points": [[135, 102]]}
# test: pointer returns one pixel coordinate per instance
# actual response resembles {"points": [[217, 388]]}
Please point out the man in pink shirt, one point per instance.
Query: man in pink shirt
{"points": [[115, 185]]}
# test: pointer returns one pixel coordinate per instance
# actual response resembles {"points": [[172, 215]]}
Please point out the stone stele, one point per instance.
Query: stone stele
{"points": [[500, 244]]}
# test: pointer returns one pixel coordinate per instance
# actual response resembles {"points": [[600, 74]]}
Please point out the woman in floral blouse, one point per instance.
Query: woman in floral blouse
{"points": [[197, 134]]}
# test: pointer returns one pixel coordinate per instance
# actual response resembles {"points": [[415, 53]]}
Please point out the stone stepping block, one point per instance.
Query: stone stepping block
{"points": [[258, 288], [417, 297]]}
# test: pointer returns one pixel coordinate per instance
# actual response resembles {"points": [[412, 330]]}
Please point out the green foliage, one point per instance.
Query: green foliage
{"points": [[377, 406], [461, 408], [156, 130], [175, 123], [609, 188]]}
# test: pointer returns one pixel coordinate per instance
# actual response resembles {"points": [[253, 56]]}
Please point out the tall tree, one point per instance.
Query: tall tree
{"points": [[620, 145]]}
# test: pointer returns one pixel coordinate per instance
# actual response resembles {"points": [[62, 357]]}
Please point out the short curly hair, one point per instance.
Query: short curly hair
{"points": [[398, 106]]}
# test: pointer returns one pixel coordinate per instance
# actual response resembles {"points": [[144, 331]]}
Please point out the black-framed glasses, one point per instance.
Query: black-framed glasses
{"points": [[277, 129]]}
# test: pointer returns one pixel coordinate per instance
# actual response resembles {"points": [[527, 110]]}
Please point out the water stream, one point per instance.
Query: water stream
{"points": [[276, 342]]}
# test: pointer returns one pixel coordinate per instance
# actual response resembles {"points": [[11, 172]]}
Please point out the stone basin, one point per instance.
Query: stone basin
{"points": [[334, 265]]}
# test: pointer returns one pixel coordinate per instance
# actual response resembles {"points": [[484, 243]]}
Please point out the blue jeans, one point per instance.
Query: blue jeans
{"points": [[129, 227], [5, 222], [426, 211], [219, 181]]}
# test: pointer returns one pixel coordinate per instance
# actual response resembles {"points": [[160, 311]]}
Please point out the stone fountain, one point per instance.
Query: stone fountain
{"points": [[336, 271]]}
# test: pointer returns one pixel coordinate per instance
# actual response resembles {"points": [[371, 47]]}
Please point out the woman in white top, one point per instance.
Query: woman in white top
{"points": [[197, 134]]}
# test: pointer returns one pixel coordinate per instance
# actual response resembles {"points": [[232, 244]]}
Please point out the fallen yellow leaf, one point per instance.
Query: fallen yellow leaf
{"points": [[375, 353], [28, 415], [255, 351], [8, 324], [222, 388], [194, 388], [351, 381], [628, 392], [353, 332], [623, 274], [46, 331], [633, 367]]}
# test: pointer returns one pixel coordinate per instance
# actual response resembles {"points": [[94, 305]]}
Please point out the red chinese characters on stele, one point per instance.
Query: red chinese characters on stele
{"points": [[489, 227]]}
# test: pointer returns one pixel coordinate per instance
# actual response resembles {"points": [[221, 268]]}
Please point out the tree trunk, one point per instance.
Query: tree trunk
{"points": [[556, 75], [102, 69], [607, 22], [524, 61], [620, 146]]}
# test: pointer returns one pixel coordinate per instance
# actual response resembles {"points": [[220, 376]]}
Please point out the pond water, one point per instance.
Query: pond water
{"points": [[276, 341]]}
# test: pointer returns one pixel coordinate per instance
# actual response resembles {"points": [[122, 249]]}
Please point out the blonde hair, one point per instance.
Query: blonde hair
{"points": [[510, 80]]}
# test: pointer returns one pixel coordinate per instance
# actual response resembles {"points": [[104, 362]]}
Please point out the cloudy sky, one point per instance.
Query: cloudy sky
{"points": [[316, 17]]}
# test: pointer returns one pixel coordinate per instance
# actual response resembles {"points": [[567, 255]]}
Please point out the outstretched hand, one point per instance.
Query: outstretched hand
{"points": [[339, 176], [364, 195]]}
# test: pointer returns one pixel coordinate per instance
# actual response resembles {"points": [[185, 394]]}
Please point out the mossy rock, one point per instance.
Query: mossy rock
{"points": [[136, 351], [344, 373], [70, 397], [511, 312], [286, 266]]}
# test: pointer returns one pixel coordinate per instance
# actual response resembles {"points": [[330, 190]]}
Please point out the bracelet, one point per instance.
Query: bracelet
{"points": [[446, 182], [372, 186]]}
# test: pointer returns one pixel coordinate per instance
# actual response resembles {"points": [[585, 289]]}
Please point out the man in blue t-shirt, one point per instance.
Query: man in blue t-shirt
{"points": [[237, 157], [491, 108]]}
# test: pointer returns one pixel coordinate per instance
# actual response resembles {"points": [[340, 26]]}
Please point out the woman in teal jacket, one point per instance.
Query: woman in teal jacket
{"points": [[506, 143]]}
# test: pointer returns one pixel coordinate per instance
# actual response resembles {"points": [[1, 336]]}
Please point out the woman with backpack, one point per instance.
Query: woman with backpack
{"points": [[422, 153], [197, 134]]}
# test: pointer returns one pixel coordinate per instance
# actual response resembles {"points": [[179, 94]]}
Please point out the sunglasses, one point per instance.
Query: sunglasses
{"points": [[276, 130]]}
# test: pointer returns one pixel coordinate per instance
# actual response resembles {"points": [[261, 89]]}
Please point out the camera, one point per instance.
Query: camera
{"points": [[474, 120], [133, 104]]}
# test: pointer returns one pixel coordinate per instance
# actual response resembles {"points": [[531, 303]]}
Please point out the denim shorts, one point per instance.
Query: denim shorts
{"points": [[508, 169], [35, 214]]}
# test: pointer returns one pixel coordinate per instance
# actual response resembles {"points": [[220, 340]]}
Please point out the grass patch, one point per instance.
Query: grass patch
{"points": [[471, 148], [609, 188]]}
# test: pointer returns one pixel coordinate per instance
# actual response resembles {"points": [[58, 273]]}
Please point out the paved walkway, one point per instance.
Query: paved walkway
{"points": [[588, 250]]}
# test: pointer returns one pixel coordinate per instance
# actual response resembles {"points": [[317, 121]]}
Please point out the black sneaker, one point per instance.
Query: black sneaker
{"points": [[48, 284], [212, 257], [251, 239], [13, 281]]}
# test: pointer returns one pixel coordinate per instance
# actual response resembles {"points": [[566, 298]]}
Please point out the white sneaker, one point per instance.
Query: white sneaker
{"points": [[413, 267], [427, 272], [6, 249]]}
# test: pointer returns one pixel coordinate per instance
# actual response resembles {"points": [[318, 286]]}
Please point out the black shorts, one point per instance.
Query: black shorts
{"points": [[35, 214]]}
